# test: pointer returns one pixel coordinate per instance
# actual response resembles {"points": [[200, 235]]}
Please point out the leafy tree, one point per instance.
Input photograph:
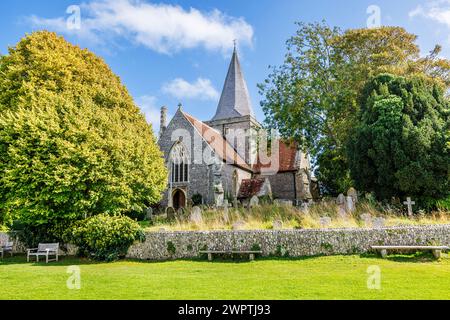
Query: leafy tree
{"points": [[314, 96], [72, 142], [399, 147]]}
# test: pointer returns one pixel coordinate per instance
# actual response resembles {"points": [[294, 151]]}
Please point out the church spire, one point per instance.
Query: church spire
{"points": [[235, 100]]}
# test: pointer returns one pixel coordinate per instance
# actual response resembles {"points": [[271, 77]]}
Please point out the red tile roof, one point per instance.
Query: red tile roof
{"points": [[220, 146], [250, 187], [287, 156]]}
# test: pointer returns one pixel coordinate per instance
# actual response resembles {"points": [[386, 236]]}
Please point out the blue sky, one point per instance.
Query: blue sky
{"points": [[178, 51]]}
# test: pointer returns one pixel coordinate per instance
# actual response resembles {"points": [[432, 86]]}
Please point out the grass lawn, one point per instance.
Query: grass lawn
{"points": [[338, 277]]}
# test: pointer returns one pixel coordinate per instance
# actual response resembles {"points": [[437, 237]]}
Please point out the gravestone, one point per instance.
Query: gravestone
{"points": [[196, 215], [409, 203], [378, 222], [238, 225], [254, 202], [342, 213], [305, 207], [149, 214], [325, 221], [349, 205], [277, 224], [354, 194], [235, 203], [225, 215], [367, 218], [340, 200], [283, 202], [170, 213]]}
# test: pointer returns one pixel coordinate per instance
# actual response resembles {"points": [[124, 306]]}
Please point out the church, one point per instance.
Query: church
{"points": [[225, 159]]}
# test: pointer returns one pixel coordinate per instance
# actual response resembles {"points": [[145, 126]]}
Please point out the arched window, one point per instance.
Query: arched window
{"points": [[179, 164]]}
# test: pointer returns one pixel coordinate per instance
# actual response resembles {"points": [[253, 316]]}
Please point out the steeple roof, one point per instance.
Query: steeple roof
{"points": [[235, 100]]}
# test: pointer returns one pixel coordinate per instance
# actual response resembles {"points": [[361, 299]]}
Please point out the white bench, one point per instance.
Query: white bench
{"points": [[8, 247], [437, 250], [45, 250], [210, 253]]}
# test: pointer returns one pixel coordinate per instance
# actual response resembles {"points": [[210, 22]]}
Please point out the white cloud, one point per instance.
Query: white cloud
{"points": [[201, 89], [148, 106], [164, 28], [436, 10]]}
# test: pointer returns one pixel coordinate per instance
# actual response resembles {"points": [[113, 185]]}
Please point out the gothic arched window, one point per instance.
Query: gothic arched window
{"points": [[179, 164]]}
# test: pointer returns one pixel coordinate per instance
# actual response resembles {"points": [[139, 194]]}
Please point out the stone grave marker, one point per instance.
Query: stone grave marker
{"points": [[238, 225], [196, 215], [325, 221], [277, 224], [409, 203], [378, 222], [354, 194], [349, 205], [170, 212], [254, 202], [367, 218], [149, 214]]}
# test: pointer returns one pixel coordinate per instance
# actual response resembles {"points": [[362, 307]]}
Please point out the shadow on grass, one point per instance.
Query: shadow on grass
{"points": [[419, 257], [413, 257]]}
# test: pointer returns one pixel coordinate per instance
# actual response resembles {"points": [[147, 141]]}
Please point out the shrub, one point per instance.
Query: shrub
{"points": [[72, 141], [197, 199], [105, 237]]}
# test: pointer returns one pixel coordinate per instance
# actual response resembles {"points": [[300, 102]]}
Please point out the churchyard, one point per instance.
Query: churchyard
{"points": [[341, 212]]}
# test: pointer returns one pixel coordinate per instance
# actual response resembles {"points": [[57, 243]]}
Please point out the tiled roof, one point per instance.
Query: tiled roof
{"points": [[250, 187], [287, 159], [220, 146], [235, 99]]}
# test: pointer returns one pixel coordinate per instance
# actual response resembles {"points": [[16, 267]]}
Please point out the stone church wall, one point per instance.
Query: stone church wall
{"points": [[282, 185]]}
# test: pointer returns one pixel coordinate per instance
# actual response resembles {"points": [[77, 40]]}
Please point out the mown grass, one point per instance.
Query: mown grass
{"points": [[262, 217], [336, 277]]}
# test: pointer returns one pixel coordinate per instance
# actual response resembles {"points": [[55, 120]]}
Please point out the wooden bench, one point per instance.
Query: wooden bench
{"points": [[437, 250], [45, 250], [210, 253], [8, 247]]}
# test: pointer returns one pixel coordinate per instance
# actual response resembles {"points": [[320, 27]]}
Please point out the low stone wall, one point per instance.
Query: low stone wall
{"points": [[292, 243]]}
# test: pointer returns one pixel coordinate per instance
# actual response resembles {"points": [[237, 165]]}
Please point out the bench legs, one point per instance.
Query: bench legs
{"points": [[437, 254], [252, 256], [383, 253], [209, 256]]}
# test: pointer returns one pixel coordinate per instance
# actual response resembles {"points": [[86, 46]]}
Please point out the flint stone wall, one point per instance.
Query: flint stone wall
{"points": [[292, 243]]}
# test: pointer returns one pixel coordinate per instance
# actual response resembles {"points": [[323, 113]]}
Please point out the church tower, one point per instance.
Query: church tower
{"points": [[234, 117]]}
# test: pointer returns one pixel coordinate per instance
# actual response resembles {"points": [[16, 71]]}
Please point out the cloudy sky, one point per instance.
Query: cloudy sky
{"points": [[178, 51]]}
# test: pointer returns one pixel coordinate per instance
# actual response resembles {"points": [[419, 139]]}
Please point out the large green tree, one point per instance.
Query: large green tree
{"points": [[72, 141], [399, 147], [314, 96]]}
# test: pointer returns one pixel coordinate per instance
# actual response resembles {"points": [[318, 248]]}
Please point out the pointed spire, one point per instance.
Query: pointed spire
{"points": [[235, 99]]}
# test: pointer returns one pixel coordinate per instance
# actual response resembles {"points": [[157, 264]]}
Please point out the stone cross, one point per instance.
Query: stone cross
{"points": [[409, 203]]}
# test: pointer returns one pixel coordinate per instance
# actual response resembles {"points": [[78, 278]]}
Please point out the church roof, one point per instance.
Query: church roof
{"points": [[235, 99], [250, 187], [287, 158], [215, 140]]}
